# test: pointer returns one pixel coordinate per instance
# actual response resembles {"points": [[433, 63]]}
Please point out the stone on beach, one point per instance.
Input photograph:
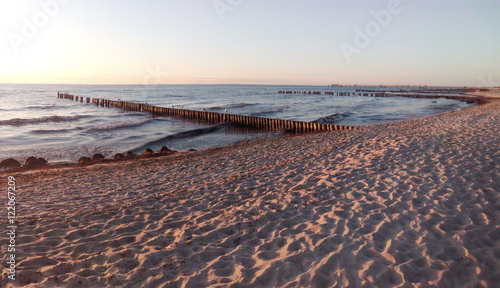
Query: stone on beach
{"points": [[118, 156], [30, 159], [33, 161], [130, 154], [148, 151], [165, 150], [97, 157], [10, 163], [83, 160]]}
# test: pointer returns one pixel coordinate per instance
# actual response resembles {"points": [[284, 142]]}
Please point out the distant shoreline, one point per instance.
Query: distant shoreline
{"points": [[492, 93]]}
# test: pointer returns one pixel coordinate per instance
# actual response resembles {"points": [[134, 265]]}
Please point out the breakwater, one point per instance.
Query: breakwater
{"points": [[376, 93], [268, 124]]}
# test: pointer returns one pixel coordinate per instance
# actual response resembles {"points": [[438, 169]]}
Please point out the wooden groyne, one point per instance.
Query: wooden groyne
{"points": [[211, 117], [300, 92], [468, 99], [370, 93]]}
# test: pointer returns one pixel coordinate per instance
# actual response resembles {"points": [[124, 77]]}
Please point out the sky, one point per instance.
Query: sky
{"points": [[278, 42]]}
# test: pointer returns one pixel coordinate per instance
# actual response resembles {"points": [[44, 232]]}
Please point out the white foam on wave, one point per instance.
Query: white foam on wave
{"points": [[45, 119]]}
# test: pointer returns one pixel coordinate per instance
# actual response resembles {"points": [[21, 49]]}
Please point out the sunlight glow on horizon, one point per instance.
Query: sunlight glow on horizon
{"points": [[256, 42]]}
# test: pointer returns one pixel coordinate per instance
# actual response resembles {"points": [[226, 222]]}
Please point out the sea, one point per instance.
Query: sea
{"points": [[34, 122]]}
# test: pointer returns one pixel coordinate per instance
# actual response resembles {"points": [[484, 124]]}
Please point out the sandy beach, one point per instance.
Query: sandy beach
{"points": [[491, 93], [405, 204]]}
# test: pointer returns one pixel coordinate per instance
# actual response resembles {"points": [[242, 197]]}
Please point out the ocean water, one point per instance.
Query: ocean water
{"points": [[33, 121]]}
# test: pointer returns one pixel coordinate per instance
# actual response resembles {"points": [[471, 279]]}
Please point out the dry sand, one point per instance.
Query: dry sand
{"points": [[407, 204], [492, 93]]}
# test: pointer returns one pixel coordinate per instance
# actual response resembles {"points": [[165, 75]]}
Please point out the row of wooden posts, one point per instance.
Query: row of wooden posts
{"points": [[326, 93], [300, 92], [384, 94], [211, 117], [461, 98]]}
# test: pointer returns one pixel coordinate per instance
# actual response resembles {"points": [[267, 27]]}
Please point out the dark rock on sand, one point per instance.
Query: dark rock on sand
{"points": [[148, 151], [165, 150], [33, 161], [192, 150], [118, 156], [130, 154], [84, 160], [10, 163], [97, 157], [31, 158]]}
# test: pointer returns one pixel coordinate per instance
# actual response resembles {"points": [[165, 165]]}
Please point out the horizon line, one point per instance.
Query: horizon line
{"points": [[256, 84]]}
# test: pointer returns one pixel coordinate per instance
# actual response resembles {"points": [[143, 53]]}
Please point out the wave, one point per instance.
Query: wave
{"points": [[269, 111], [46, 119], [126, 115], [236, 105], [329, 119], [44, 107], [443, 107], [122, 125], [50, 131], [180, 135]]}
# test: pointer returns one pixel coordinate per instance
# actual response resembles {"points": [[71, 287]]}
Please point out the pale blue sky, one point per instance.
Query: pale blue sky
{"points": [[251, 42]]}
